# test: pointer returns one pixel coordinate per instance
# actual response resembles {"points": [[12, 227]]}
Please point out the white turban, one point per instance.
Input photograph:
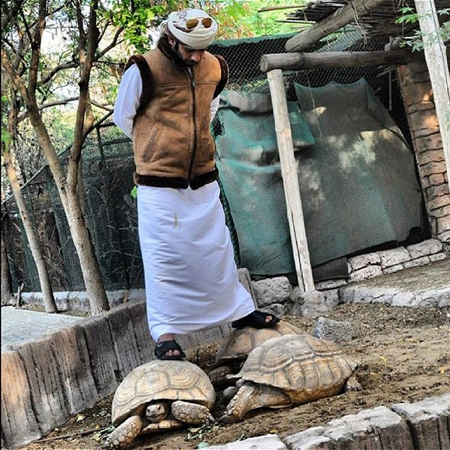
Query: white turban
{"points": [[198, 37]]}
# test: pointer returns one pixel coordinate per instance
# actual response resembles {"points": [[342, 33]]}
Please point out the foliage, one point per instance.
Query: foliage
{"points": [[136, 21], [237, 19], [419, 39]]}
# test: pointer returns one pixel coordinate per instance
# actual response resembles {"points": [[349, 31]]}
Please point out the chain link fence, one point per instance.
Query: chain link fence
{"points": [[108, 167]]}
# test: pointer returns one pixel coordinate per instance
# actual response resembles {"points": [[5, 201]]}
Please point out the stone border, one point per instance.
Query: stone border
{"points": [[423, 425]]}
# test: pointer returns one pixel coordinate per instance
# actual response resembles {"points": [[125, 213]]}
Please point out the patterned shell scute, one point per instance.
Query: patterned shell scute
{"points": [[301, 365], [241, 342], [161, 380]]}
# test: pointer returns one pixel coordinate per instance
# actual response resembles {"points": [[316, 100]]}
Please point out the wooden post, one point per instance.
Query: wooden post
{"points": [[290, 181], [326, 60], [436, 58]]}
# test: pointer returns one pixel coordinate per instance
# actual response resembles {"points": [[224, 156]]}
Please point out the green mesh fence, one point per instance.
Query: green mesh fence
{"points": [[108, 167]]}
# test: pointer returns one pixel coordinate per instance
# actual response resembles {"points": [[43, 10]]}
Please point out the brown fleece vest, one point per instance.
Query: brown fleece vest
{"points": [[172, 140]]}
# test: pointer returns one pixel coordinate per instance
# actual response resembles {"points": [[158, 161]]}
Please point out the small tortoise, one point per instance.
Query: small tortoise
{"points": [[160, 395], [235, 348], [291, 369]]}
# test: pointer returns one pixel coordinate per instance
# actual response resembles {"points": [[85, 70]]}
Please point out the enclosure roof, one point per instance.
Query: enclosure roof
{"points": [[378, 21]]}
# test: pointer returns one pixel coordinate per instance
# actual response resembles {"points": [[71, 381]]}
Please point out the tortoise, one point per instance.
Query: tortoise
{"points": [[234, 350], [160, 395], [288, 370]]}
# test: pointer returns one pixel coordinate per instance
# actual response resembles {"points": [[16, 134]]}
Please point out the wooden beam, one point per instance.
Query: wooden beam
{"points": [[310, 61], [290, 181], [437, 62], [338, 19]]}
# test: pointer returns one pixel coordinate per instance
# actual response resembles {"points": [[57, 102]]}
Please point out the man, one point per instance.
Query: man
{"points": [[165, 103]]}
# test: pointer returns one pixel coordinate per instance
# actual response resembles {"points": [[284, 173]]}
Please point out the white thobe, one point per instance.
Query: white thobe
{"points": [[191, 279]]}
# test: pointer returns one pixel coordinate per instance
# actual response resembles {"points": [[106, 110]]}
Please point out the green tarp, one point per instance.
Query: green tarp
{"points": [[356, 173]]}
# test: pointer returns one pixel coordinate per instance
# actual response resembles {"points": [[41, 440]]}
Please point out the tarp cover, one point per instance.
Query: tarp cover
{"points": [[356, 173]]}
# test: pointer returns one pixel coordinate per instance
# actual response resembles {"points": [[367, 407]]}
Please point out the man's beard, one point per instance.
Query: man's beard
{"points": [[176, 51]]}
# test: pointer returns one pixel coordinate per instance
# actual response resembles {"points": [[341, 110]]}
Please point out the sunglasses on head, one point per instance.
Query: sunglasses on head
{"points": [[192, 23]]}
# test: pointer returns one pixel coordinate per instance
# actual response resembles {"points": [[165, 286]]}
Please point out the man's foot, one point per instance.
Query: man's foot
{"points": [[256, 319], [168, 349]]}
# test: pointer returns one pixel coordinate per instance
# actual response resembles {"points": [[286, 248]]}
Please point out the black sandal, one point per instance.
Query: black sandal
{"points": [[256, 319], [164, 346]]}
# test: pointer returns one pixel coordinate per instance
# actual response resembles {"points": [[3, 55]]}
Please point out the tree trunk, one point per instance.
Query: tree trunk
{"points": [[44, 279], [7, 297], [66, 185], [88, 260], [72, 207]]}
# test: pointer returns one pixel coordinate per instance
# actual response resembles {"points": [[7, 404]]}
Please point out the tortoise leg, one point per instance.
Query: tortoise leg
{"points": [[352, 384], [191, 413], [125, 432], [164, 425], [218, 376], [252, 396]]}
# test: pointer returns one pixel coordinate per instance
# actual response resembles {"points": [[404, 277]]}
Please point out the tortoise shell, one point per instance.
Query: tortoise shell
{"points": [[161, 380], [241, 342], [304, 367]]}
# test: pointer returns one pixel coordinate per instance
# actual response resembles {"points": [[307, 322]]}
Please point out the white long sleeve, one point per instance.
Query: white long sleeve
{"points": [[127, 101], [214, 106]]}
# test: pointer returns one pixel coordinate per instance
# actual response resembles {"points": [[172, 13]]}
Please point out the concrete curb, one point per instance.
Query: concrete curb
{"points": [[45, 381]]}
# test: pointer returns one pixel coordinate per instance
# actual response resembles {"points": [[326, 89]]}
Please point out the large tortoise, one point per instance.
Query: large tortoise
{"points": [[291, 369], [160, 395], [235, 348]]}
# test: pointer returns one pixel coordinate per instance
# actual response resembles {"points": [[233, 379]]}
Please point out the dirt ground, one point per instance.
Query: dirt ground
{"points": [[403, 356]]}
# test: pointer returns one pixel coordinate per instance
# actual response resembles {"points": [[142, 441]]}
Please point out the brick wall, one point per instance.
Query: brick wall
{"points": [[419, 105]]}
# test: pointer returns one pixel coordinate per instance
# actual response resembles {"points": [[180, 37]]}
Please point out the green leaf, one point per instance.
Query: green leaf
{"points": [[133, 193]]}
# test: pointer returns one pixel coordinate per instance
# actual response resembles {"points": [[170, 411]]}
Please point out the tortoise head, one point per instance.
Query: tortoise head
{"points": [[156, 411]]}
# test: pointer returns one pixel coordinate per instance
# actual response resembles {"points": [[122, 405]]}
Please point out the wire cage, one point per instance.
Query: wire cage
{"points": [[107, 164]]}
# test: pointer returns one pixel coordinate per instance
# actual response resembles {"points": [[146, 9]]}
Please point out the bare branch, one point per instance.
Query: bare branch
{"points": [[84, 121], [14, 77], [16, 53], [106, 108], [36, 49], [10, 13], [59, 102], [67, 65], [26, 25], [113, 43]]}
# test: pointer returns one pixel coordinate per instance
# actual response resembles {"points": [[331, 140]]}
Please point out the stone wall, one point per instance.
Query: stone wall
{"points": [[427, 142], [389, 261], [279, 296]]}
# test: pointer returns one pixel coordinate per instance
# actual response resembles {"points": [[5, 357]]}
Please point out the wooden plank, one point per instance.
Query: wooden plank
{"points": [[71, 357], [290, 181], [46, 386], [124, 338], [437, 62], [340, 18], [326, 60], [101, 352], [144, 341], [17, 411]]}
